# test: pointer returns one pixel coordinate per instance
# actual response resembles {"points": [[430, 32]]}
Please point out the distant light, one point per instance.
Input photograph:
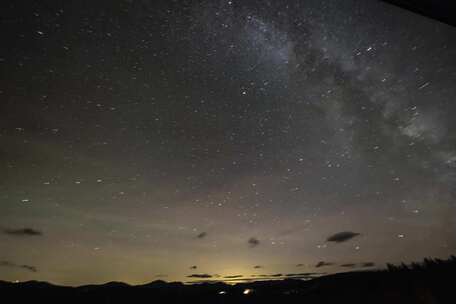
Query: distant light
{"points": [[222, 292], [247, 291]]}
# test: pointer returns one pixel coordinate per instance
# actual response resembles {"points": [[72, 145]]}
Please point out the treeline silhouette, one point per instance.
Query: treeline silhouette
{"points": [[428, 265], [431, 281]]}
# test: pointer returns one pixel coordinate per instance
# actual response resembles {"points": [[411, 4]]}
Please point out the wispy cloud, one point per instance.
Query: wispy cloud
{"points": [[23, 232], [348, 265], [14, 265], [201, 235], [233, 276], [200, 276], [342, 236], [368, 264], [322, 264], [253, 242]]}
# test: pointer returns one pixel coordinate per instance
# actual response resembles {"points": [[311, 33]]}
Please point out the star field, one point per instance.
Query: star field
{"points": [[188, 140]]}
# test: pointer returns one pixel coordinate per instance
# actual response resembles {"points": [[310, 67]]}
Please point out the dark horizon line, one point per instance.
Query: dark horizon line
{"points": [[251, 279]]}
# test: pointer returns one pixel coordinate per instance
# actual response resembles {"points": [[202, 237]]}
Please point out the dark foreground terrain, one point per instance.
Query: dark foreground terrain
{"points": [[429, 282]]}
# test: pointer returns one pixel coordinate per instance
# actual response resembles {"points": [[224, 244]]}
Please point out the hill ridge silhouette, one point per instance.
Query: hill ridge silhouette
{"points": [[425, 282]]}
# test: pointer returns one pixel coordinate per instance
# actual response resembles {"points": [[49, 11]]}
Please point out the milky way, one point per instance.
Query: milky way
{"points": [[145, 139]]}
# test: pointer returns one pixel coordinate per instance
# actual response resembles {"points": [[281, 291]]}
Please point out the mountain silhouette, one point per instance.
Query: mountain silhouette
{"points": [[426, 282]]}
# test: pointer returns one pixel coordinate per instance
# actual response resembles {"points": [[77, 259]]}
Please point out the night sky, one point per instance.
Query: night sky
{"points": [[187, 140]]}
